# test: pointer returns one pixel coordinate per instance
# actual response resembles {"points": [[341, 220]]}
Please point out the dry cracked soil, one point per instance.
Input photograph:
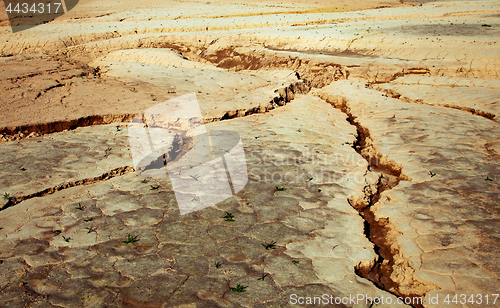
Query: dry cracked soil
{"points": [[371, 141]]}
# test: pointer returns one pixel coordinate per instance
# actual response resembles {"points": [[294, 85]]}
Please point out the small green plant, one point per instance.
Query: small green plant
{"points": [[295, 262], [239, 288], [263, 276], [280, 189], [298, 130], [118, 129], [144, 181], [80, 207], [131, 239], [107, 152], [218, 264], [374, 302], [6, 196], [485, 25], [154, 187], [170, 92], [228, 217], [309, 178], [319, 190], [87, 220], [432, 174], [488, 179], [347, 142], [271, 245], [90, 230], [195, 177], [199, 91], [66, 239]]}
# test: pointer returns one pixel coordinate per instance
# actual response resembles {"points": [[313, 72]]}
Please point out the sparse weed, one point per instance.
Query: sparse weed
{"points": [[154, 187], [280, 188], [91, 230], [144, 181], [228, 217], [295, 262], [263, 276], [271, 245], [218, 264], [80, 207], [131, 239], [488, 179], [87, 220], [66, 239], [239, 288], [6, 196], [432, 174], [195, 177]]}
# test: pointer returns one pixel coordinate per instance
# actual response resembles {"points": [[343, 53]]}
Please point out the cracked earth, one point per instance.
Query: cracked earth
{"points": [[371, 138]]}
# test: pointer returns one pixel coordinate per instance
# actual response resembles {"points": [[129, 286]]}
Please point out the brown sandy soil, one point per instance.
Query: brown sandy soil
{"points": [[371, 139]]}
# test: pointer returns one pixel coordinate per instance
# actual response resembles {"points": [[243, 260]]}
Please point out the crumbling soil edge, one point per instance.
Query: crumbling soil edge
{"points": [[104, 177], [13, 133], [391, 271]]}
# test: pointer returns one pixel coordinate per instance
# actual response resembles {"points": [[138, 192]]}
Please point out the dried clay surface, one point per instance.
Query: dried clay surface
{"points": [[371, 138]]}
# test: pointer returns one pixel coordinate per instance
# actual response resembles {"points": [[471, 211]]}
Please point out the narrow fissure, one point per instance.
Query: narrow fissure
{"points": [[104, 177], [394, 94], [391, 271]]}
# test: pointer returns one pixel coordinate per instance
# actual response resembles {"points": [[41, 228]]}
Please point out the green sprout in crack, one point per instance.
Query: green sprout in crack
{"points": [[80, 207], [347, 142], [6, 196], [263, 276], [239, 288], [228, 217], [485, 25], [309, 178], [131, 239], [218, 264], [118, 129], [280, 189], [374, 302], [90, 230], [299, 130], [66, 239], [295, 262], [432, 174], [144, 181], [488, 179], [87, 220], [271, 245], [154, 187], [107, 152], [195, 177]]}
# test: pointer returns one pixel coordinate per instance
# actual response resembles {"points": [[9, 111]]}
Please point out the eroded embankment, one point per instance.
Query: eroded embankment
{"points": [[284, 96], [391, 271]]}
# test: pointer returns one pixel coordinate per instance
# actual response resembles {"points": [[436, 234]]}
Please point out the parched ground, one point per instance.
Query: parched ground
{"points": [[370, 131]]}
